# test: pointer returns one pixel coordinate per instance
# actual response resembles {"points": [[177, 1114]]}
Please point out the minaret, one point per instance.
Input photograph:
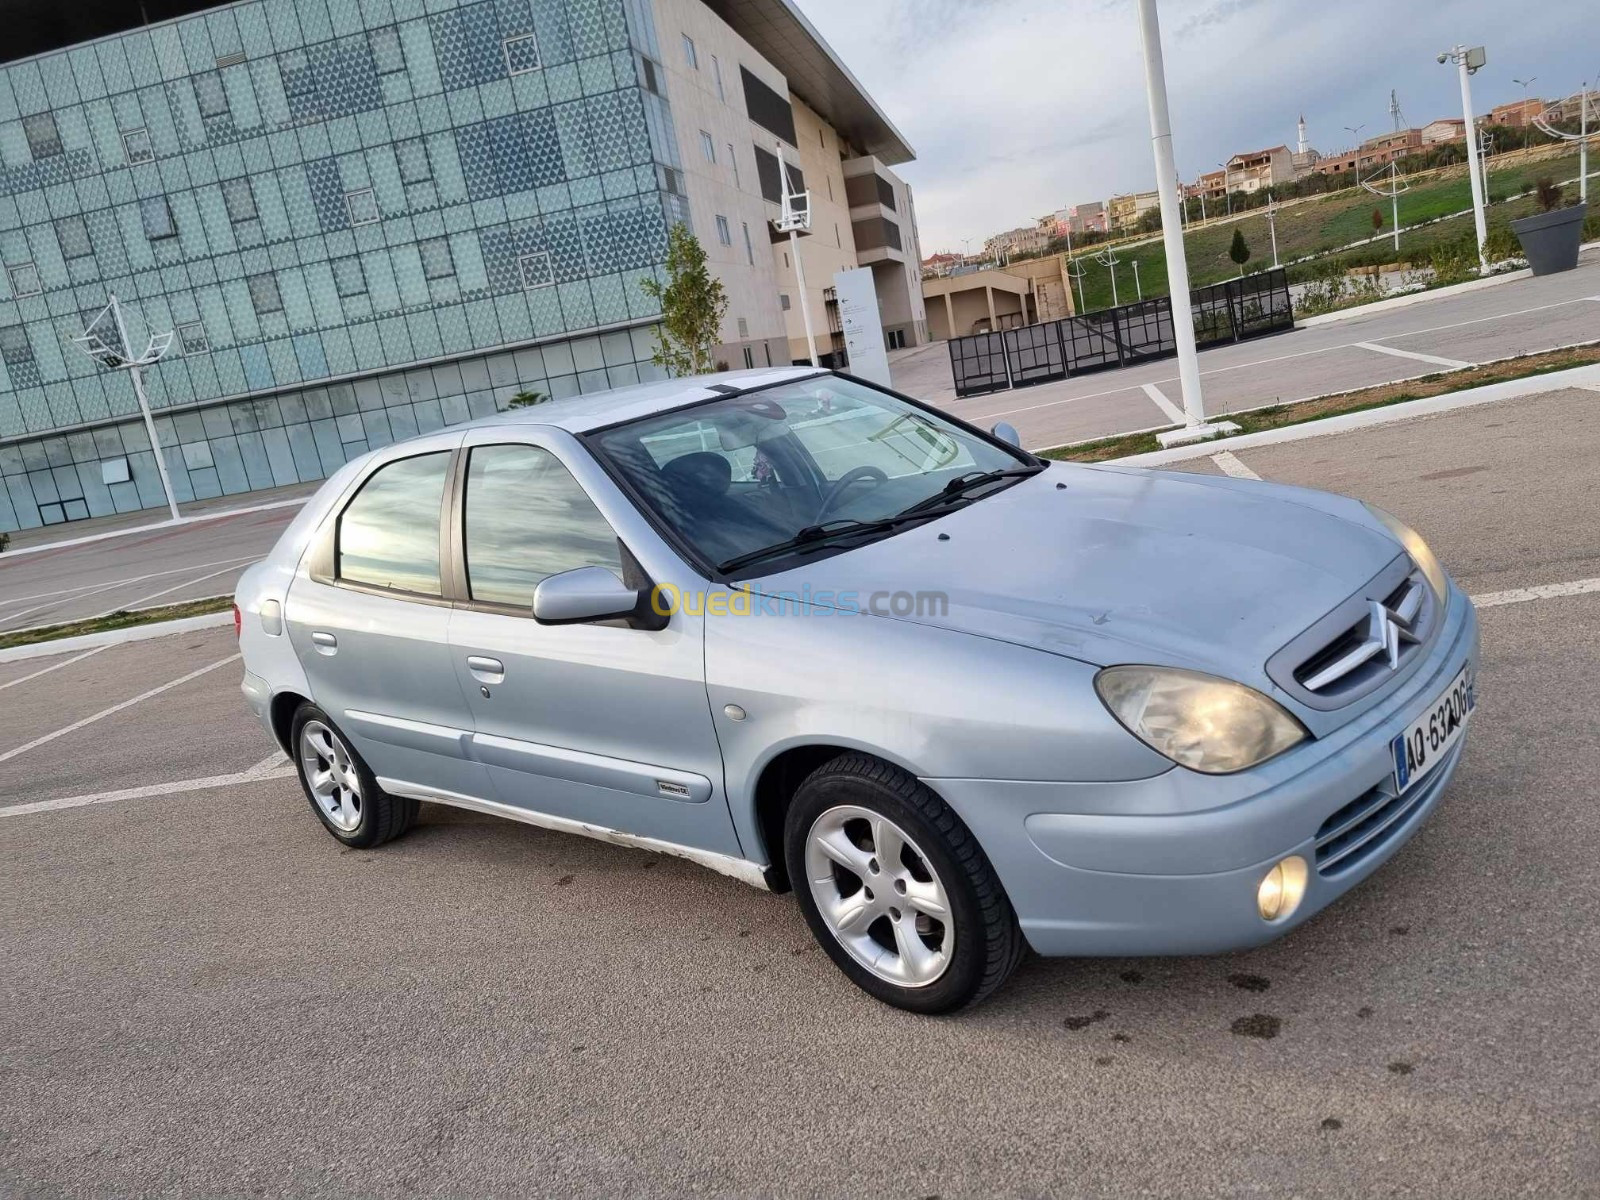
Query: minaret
{"points": [[1304, 145]]}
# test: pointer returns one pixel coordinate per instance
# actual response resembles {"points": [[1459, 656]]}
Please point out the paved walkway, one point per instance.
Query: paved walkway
{"points": [[1523, 316]]}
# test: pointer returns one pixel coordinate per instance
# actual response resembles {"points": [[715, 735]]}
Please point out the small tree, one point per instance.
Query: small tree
{"points": [[526, 399], [1549, 192], [692, 306], [1239, 249], [1150, 220], [1377, 220]]}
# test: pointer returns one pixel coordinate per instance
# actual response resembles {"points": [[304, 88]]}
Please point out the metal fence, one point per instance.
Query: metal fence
{"points": [[1118, 337]]}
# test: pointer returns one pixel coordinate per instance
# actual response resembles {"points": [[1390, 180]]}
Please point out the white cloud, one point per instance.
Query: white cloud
{"points": [[1018, 107]]}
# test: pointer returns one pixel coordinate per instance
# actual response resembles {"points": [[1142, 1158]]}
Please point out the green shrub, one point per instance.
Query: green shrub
{"points": [[1502, 244]]}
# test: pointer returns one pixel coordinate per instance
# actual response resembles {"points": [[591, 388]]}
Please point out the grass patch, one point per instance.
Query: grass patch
{"points": [[1297, 413], [121, 619]]}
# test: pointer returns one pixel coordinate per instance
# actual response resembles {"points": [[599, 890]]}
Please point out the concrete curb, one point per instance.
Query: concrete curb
{"points": [[153, 527], [1489, 393], [115, 637]]}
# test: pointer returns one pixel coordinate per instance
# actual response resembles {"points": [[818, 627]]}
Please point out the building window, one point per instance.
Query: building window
{"points": [[14, 346], [784, 302], [295, 71], [767, 108], [348, 276], [210, 94], [73, 235], [264, 294], [836, 240], [716, 74], [672, 180], [708, 147], [192, 339], [522, 54], [723, 235], [744, 328], [363, 206], [647, 72], [689, 56], [537, 270], [157, 217], [136, 146], [749, 247], [44, 141], [413, 158], [733, 161], [437, 262], [239, 199], [24, 280], [388, 55], [749, 357]]}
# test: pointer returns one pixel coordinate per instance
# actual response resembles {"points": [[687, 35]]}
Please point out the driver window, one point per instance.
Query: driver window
{"points": [[527, 518]]}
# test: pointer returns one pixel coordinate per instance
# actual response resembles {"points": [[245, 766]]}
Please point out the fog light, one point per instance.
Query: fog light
{"points": [[1282, 889]]}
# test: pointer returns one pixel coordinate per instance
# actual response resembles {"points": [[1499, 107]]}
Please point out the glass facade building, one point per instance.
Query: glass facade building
{"points": [[362, 219]]}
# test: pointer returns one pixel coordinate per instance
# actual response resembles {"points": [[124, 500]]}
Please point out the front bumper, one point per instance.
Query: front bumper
{"points": [[1171, 865]]}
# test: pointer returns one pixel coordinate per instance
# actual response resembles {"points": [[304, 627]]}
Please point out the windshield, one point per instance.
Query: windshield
{"points": [[783, 465]]}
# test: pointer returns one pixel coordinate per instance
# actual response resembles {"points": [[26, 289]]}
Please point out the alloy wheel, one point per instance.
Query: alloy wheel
{"points": [[879, 896], [331, 775]]}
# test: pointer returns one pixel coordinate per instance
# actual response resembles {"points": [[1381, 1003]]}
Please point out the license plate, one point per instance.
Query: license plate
{"points": [[1429, 738]]}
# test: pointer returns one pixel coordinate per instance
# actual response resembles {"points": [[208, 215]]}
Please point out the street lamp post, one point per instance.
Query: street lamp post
{"points": [[1272, 226], [120, 357], [797, 216], [1545, 127], [1138, 287], [1108, 259], [1468, 59], [1526, 83], [1155, 79], [1075, 273]]}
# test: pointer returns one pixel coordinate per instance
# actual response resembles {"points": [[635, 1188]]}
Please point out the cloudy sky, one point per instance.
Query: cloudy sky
{"points": [[1019, 107]]}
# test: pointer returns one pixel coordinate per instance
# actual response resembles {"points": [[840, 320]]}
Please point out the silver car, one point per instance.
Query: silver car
{"points": [[817, 636]]}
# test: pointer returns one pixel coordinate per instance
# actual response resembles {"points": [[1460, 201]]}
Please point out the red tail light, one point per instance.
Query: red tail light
{"points": [[238, 621]]}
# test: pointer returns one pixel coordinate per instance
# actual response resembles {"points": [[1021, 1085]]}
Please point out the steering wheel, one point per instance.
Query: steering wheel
{"points": [[846, 481]]}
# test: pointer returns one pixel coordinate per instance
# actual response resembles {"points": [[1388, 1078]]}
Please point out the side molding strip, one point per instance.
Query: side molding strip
{"points": [[578, 766], [741, 869], [408, 734]]}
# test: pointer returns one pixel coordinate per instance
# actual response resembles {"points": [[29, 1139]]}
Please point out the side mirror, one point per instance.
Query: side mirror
{"points": [[590, 594], [1008, 434]]}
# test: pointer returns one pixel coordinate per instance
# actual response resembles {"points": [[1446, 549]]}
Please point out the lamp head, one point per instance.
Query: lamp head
{"points": [[1444, 58]]}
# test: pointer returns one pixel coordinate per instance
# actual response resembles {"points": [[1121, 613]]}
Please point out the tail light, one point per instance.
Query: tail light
{"points": [[238, 622]]}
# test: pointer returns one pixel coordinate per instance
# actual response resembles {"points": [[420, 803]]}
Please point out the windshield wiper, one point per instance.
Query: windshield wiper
{"points": [[958, 487], [815, 537]]}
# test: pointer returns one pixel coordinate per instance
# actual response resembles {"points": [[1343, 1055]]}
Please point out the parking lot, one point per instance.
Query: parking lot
{"points": [[206, 993]]}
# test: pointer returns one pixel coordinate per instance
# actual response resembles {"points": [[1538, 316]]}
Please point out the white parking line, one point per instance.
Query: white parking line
{"points": [[1453, 363], [1543, 591], [177, 587], [94, 589], [52, 667], [276, 767], [1159, 399], [1229, 464], [115, 708]]}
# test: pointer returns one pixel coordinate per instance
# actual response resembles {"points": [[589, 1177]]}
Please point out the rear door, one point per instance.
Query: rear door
{"points": [[600, 723], [369, 618]]}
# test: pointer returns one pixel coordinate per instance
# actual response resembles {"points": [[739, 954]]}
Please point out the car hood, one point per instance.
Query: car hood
{"points": [[1116, 564]]}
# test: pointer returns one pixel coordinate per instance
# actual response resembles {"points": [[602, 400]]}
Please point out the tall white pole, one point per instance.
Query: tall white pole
{"points": [[1474, 168], [1583, 146], [136, 373], [1394, 200], [1137, 285], [1272, 225], [1155, 81]]}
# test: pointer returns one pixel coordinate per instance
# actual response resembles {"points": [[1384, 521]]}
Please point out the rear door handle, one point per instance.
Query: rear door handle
{"points": [[486, 670], [325, 642]]}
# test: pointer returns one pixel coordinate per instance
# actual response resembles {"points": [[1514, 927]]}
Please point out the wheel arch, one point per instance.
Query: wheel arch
{"points": [[284, 706]]}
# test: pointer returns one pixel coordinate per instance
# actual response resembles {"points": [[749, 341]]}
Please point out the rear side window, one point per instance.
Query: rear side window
{"points": [[527, 518], [389, 534]]}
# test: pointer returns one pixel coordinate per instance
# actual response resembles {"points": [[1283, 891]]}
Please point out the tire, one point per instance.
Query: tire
{"points": [[350, 806], [885, 937]]}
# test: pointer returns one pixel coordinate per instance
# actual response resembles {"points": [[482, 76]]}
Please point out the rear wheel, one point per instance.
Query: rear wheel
{"points": [[896, 889], [341, 788]]}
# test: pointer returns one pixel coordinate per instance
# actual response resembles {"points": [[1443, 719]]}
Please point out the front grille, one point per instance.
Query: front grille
{"points": [[1361, 828], [1388, 634]]}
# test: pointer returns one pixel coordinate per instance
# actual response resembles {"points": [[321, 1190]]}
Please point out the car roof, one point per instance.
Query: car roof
{"points": [[579, 414]]}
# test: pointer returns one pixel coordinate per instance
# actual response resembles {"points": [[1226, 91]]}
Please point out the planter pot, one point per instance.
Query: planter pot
{"points": [[1551, 239]]}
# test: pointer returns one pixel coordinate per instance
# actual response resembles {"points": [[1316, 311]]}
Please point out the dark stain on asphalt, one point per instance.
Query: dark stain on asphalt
{"points": [[649, 863], [1332, 1123], [564, 880], [1121, 1037], [744, 933], [1250, 983], [1399, 930], [1076, 1023], [1364, 1012], [1131, 977], [1400, 1068], [1258, 1025], [1453, 473], [1102, 1061]]}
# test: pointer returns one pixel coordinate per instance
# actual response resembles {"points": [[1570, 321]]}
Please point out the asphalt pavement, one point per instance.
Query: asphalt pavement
{"points": [[204, 993]]}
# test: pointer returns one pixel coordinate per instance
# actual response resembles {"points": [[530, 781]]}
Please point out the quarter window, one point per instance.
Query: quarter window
{"points": [[388, 536], [527, 518]]}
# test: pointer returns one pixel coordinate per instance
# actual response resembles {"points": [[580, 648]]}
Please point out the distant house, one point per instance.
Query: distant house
{"points": [[1257, 169], [1446, 129], [1518, 113], [1124, 211]]}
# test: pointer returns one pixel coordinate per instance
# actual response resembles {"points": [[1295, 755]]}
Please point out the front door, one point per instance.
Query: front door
{"points": [[599, 723], [369, 620]]}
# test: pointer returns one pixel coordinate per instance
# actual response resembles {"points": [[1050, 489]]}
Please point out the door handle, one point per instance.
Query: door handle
{"points": [[325, 642], [486, 670]]}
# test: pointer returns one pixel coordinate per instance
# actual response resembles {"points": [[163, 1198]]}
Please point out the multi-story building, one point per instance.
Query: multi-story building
{"points": [[1123, 212], [366, 219], [1025, 239], [1088, 218], [1518, 113], [1257, 169], [1446, 129]]}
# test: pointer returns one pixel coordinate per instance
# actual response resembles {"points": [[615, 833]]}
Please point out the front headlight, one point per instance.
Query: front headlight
{"points": [[1198, 721], [1416, 547]]}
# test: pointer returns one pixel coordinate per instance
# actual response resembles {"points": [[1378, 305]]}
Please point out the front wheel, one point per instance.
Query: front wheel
{"points": [[341, 787], [896, 889]]}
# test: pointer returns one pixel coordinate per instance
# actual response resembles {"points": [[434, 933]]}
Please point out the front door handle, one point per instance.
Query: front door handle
{"points": [[486, 670], [325, 642]]}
